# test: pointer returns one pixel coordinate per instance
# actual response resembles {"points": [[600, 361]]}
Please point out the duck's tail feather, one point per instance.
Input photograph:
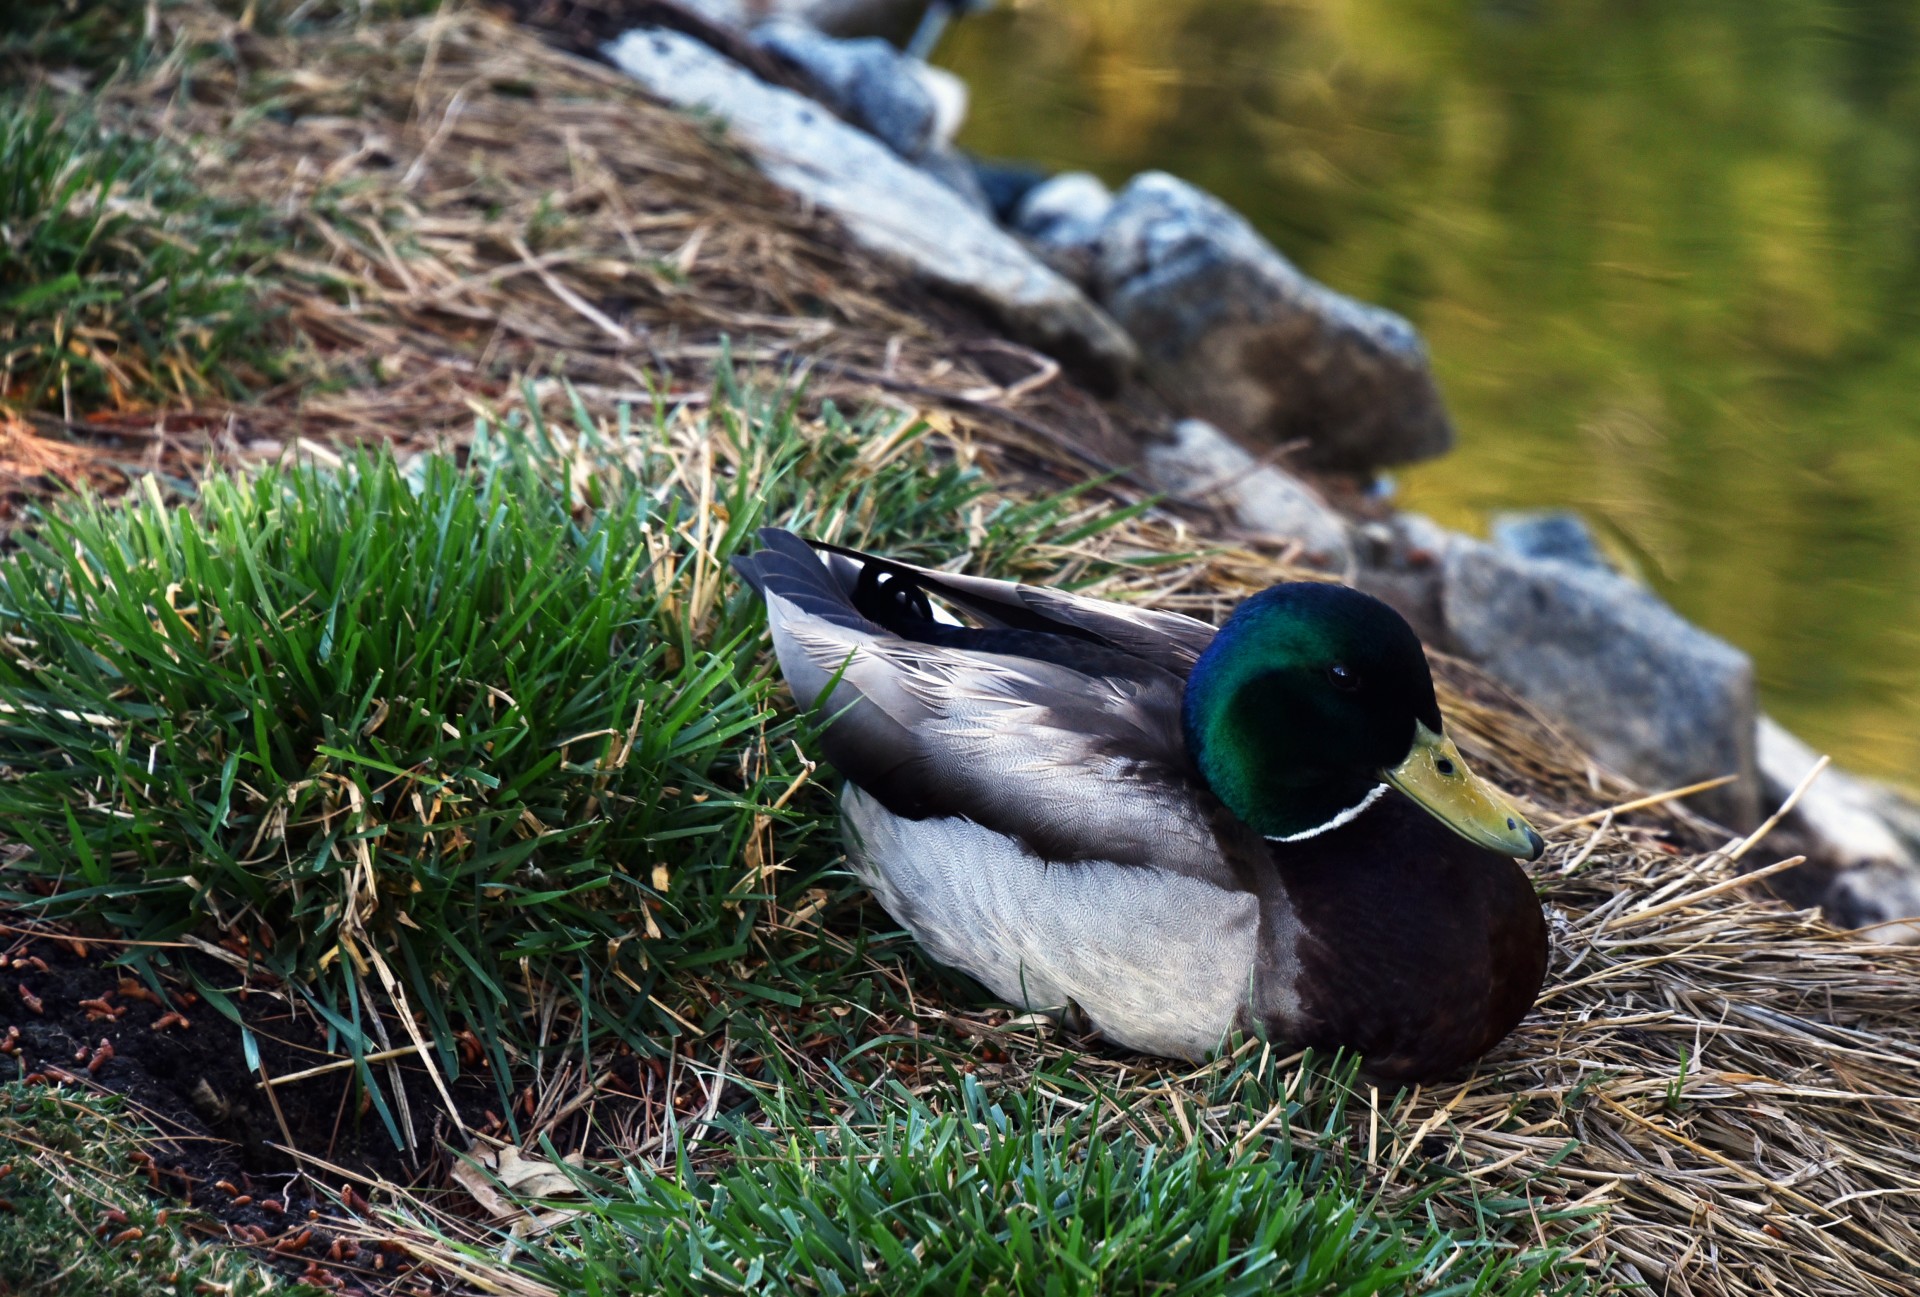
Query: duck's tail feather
{"points": [[870, 594], [887, 584], [1167, 639], [787, 566], [843, 586], [820, 639]]}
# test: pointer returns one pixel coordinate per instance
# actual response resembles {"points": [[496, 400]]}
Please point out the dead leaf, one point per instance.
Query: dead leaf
{"points": [[484, 1173]]}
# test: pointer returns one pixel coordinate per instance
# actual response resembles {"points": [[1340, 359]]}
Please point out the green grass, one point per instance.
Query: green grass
{"points": [[77, 1221], [980, 1194], [93, 35], [478, 723], [121, 281]]}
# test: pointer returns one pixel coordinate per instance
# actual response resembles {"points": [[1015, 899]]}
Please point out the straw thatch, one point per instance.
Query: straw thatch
{"points": [[1730, 1084]]}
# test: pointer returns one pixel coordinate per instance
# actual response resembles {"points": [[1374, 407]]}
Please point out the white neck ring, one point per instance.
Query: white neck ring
{"points": [[1347, 816]]}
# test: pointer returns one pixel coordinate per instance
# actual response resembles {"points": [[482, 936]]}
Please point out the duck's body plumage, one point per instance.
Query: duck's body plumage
{"points": [[1021, 798], [1156, 960]]}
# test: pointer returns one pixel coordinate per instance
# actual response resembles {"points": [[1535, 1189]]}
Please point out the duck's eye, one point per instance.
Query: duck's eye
{"points": [[1341, 676]]}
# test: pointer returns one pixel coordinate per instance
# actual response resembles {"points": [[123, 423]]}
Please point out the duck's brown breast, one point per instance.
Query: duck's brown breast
{"points": [[1414, 947]]}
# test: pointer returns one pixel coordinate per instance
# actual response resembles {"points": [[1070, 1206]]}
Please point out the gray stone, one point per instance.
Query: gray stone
{"points": [[1898, 810], [1400, 564], [1061, 218], [1007, 184], [866, 81], [1232, 332], [1887, 889], [950, 167], [1838, 811], [1199, 462], [1421, 540], [1876, 896], [835, 17], [1548, 533], [887, 207], [1651, 695], [909, 107], [1070, 206], [1852, 830]]}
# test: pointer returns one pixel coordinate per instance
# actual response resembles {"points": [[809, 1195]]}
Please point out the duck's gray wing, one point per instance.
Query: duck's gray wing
{"points": [[1073, 766], [1169, 640]]}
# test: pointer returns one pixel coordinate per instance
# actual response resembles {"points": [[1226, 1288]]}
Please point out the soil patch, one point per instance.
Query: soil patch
{"points": [[72, 1014]]}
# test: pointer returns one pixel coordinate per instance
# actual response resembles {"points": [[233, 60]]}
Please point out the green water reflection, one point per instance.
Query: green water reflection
{"points": [[1666, 254]]}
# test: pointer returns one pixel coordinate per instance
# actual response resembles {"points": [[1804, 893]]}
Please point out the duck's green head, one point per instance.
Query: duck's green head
{"points": [[1314, 696]]}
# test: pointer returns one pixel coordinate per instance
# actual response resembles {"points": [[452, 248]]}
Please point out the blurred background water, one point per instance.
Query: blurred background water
{"points": [[1666, 254]]}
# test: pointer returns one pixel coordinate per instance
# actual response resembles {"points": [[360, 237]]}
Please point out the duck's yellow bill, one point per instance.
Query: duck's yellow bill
{"points": [[1435, 775]]}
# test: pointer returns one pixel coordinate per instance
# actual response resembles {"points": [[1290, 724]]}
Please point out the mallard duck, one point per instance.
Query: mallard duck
{"points": [[1172, 831]]}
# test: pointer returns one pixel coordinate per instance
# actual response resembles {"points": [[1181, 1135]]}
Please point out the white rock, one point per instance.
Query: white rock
{"points": [[1200, 460], [950, 99], [1073, 202], [1850, 823], [1060, 219], [891, 97], [887, 206], [1838, 810], [865, 80]]}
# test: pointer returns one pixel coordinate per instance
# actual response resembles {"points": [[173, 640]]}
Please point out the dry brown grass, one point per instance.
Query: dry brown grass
{"points": [[1732, 1084], [469, 209]]}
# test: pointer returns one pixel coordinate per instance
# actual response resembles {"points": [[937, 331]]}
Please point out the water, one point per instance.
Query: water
{"points": [[1666, 254]]}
